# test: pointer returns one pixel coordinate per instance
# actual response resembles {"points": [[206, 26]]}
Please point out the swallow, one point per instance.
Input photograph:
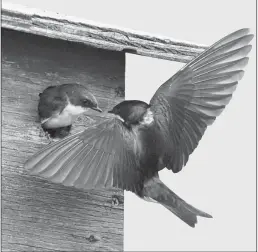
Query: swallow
{"points": [[59, 106], [139, 139]]}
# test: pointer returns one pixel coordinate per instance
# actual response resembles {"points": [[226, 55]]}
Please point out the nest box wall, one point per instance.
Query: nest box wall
{"points": [[38, 215]]}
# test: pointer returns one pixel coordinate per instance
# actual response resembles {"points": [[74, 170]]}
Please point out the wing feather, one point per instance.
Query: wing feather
{"points": [[191, 100], [97, 157]]}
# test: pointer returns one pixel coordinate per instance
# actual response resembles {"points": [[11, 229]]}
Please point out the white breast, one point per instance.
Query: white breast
{"points": [[74, 110], [147, 118], [65, 118]]}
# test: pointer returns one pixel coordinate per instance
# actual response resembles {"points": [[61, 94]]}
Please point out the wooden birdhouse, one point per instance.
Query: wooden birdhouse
{"points": [[40, 49]]}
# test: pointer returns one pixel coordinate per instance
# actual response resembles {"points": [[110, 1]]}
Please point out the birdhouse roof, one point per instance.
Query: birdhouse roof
{"points": [[55, 25]]}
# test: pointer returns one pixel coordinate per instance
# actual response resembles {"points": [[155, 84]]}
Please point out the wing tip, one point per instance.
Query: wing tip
{"points": [[246, 29], [243, 31], [248, 48], [251, 36], [241, 74]]}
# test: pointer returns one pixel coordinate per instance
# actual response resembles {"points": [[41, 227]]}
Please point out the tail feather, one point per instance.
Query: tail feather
{"points": [[160, 193]]}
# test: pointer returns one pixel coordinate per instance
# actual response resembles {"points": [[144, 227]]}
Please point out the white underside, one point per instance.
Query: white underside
{"points": [[67, 117], [147, 118]]}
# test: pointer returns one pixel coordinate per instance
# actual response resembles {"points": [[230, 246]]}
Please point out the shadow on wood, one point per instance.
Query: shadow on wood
{"points": [[38, 215]]}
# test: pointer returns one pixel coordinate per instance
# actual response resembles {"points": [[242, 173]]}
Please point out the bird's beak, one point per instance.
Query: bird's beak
{"points": [[97, 109], [110, 112]]}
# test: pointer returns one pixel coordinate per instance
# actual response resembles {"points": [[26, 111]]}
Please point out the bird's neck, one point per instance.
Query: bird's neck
{"points": [[148, 118], [146, 121]]}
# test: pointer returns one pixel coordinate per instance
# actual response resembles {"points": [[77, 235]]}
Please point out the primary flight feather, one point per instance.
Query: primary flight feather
{"points": [[128, 151]]}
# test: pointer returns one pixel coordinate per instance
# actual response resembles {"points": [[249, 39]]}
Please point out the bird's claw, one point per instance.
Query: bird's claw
{"points": [[44, 133], [50, 140]]}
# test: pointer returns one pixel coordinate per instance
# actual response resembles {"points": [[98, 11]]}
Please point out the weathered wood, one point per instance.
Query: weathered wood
{"points": [[79, 30], [38, 215]]}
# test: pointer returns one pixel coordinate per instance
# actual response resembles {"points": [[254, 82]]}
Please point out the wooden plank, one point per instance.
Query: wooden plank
{"points": [[55, 25], [42, 216]]}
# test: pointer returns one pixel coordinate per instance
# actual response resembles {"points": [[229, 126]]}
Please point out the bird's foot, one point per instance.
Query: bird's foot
{"points": [[43, 133], [48, 136], [54, 135], [59, 133], [63, 132], [50, 140]]}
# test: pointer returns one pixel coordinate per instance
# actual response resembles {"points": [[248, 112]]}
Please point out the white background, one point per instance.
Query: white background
{"points": [[220, 175]]}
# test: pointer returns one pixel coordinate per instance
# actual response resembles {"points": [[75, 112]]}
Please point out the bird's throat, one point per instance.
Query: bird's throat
{"points": [[147, 118]]}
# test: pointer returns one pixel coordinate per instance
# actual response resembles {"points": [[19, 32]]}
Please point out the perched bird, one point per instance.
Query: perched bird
{"points": [[129, 150], [59, 106]]}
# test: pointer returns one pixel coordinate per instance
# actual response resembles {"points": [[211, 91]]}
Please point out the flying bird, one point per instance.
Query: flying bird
{"points": [[59, 106], [128, 149]]}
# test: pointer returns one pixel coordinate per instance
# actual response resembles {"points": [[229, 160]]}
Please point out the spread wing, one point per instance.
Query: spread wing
{"points": [[192, 99], [102, 156]]}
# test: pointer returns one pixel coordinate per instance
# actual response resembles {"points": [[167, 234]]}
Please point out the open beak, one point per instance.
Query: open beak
{"points": [[97, 109]]}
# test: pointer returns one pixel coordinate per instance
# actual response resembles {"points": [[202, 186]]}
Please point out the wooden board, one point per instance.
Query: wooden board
{"points": [[38, 215], [56, 25]]}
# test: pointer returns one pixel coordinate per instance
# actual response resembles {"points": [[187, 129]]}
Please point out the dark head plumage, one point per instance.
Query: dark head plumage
{"points": [[79, 95], [131, 111]]}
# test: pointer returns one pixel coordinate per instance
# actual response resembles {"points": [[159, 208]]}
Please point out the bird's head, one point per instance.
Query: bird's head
{"points": [[131, 112], [81, 97], [88, 100]]}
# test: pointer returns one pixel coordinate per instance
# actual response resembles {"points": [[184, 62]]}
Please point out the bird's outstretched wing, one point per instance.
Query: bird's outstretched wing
{"points": [[192, 99], [102, 156]]}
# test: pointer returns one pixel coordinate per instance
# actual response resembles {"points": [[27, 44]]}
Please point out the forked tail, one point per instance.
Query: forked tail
{"points": [[159, 192]]}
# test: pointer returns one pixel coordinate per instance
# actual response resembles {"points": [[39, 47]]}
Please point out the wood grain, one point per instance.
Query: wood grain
{"points": [[38, 215], [79, 30]]}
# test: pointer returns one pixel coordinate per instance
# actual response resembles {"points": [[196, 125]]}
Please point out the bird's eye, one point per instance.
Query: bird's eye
{"points": [[87, 102]]}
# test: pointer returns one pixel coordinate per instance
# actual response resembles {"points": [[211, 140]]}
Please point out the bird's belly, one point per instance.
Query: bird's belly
{"points": [[65, 118], [149, 151], [62, 120]]}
